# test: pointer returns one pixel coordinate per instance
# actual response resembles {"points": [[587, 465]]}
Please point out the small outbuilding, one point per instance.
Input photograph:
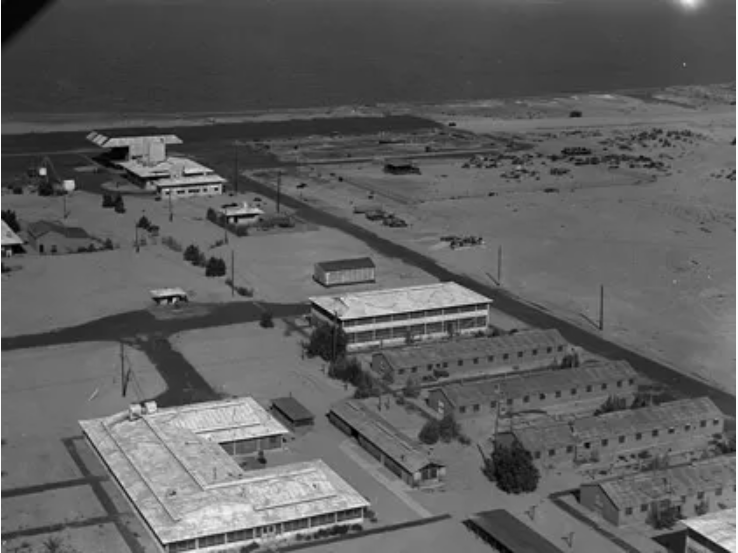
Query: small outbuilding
{"points": [[345, 271], [53, 237], [168, 296], [401, 167], [11, 242], [240, 214], [506, 533], [292, 411]]}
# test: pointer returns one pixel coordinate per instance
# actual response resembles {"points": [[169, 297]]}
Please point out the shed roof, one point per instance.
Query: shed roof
{"points": [[395, 444], [186, 486], [542, 436], [293, 409], [648, 418], [40, 228], [469, 348], [718, 528], [160, 293], [121, 138], [517, 385], [375, 303], [346, 264], [646, 487], [9, 238], [511, 532]]}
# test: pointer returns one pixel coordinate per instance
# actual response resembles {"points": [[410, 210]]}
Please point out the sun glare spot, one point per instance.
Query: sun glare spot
{"points": [[690, 4]]}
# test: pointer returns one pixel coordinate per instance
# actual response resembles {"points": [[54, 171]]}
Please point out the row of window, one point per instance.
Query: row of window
{"points": [[666, 503], [189, 190], [654, 433], [271, 529], [427, 314], [542, 396], [403, 332], [476, 360]]}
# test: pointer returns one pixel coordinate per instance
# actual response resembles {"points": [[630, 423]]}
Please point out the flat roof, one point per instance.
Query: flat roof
{"points": [[239, 209], [292, 409], [661, 416], [172, 166], [186, 486], [542, 436], [346, 264], [10, 238], [469, 348], [511, 532], [647, 487], [121, 139], [515, 385], [197, 180], [718, 528], [375, 303], [405, 451]]}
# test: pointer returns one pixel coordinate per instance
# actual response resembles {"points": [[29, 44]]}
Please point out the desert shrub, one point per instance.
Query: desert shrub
{"points": [[449, 428], [661, 519], [327, 342], [411, 388], [217, 243], [430, 433], [144, 223], [611, 404], [215, 267], [266, 320], [570, 361], [108, 244], [366, 386], [11, 219], [171, 243], [575, 113], [464, 439], [46, 189], [513, 470], [192, 254], [244, 291], [356, 527], [212, 215]]}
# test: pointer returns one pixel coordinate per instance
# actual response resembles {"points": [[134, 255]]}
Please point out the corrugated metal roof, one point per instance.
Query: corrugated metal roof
{"points": [[539, 437], [376, 303], [518, 385], [470, 348], [346, 264], [646, 487], [122, 138], [186, 486], [719, 528], [10, 238], [686, 411], [40, 228], [511, 532], [405, 451], [292, 409]]}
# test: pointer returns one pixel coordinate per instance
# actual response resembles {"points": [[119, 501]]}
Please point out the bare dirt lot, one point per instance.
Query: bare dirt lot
{"points": [[652, 220]]}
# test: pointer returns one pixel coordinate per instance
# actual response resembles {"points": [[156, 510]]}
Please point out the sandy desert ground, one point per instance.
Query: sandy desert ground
{"points": [[661, 241]]}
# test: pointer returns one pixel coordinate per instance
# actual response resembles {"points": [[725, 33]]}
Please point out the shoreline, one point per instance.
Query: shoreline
{"points": [[28, 124]]}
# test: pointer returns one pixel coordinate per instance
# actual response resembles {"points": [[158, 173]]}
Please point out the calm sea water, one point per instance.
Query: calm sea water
{"points": [[169, 56]]}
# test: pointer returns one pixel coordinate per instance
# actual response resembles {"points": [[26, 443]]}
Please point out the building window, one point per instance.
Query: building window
{"points": [[604, 386], [719, 491], [687, 427], [621, 439], [589, 388], [587, 445], [460, 363], [534, 352], [560, 348], [549, 349], [526, 399], [628, 511], [655, 433], [570, 449], [620, 383], [552, 453], [430, 367], [520, 354], [639, 435], [537, 455], [414, 370], [445, 364], [239, 535], [605, 441], [476, 408], [542, 397], [493, 405], [703, 424], [491, 358], [558, 393], [644, 507], [631, 381], [462, 409], [476, 360], [510, 402], [715, 422], [573, 391], [178, 546], [505, 356], [672, 430], [400, 371], [700, 495]]}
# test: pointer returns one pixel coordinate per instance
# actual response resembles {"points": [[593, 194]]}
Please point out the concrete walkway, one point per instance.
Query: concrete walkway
{"points": [[353, 451]]}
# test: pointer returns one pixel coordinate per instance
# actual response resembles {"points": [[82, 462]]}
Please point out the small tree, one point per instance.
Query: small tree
{"points": [[430, 433], [411, 388], [570, 361], [108, 244], [46, 189], [641, 400], [192, 254], [661, 519], [366, 386], [513, 469], [449, 428], [327, 342], [144, 223], [212, 215], [11, 219], [612, 403], [108, 201], [266, 321], [215, 267]]}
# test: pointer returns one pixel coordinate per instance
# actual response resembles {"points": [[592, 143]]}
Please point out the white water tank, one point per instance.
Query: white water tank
{"points": [[68, 185], [150, 407], [42, 171]]}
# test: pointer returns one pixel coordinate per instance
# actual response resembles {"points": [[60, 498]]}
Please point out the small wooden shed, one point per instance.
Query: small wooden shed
{"points": [[294, 412], [166, 296], [345, 271]]}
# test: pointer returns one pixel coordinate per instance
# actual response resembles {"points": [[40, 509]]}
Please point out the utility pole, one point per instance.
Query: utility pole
{"points": [[122, 370], [235, 166], [602, 307], [233, 273], [138, 248], [279, 189], [499, 265], [335, 334], [171, 213], [225, 231], [64, 208]]}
